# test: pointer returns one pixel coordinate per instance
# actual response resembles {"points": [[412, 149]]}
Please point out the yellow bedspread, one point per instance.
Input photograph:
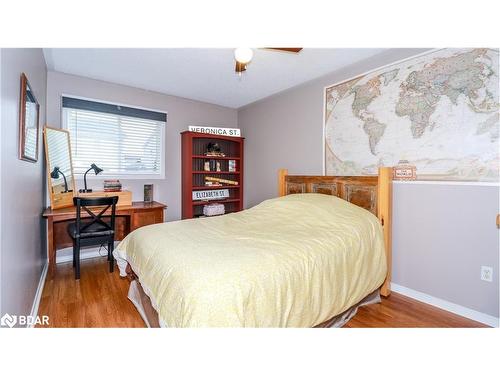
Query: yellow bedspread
{"points": [[294, 261]]}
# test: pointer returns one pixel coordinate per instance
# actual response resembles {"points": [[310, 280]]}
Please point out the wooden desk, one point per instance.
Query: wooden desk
{"points": [[128, 218]]}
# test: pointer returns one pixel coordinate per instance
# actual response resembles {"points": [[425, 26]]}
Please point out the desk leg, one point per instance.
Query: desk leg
{"points": [[51, 247]]}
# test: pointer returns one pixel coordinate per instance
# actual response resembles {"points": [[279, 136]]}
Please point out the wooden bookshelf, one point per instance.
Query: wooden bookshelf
{"points": [[194, 146]]}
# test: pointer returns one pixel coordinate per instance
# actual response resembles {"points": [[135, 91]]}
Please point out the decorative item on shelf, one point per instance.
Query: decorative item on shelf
{"points": [[232, 165], [228, 132], [212, 183], [215, 154], [213, 149], [206, 166], [221, 180], [404, 171], [112, 185], [97, 170], [210, 194], [148, 193], [213, 209], [217, 166], [55, 175]]}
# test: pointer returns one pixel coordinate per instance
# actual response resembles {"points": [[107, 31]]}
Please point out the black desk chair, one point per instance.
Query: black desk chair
{"points": [[96, 230]]}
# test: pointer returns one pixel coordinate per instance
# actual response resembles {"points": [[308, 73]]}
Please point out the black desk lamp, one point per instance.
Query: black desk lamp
{"points": [[97, 170], [55, 174]]}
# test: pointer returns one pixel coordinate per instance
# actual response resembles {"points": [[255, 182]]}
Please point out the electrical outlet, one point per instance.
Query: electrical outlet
{"points": [[487, 273]]}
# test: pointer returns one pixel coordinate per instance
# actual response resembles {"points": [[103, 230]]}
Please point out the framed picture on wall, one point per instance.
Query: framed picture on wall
{"points": [[29, 117]]}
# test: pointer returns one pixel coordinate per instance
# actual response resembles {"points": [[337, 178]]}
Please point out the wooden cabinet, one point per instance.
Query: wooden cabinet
{"points": [[146, 217], [194, 173]]}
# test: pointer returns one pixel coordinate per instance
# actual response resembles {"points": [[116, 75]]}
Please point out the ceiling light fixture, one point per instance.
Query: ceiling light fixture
{"points": [[243, 55]]}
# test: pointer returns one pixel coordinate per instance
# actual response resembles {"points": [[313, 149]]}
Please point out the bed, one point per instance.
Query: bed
{"points": [[308, 258]]}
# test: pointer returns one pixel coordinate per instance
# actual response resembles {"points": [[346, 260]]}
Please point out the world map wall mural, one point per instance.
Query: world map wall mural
{"points": [[439, 111]]}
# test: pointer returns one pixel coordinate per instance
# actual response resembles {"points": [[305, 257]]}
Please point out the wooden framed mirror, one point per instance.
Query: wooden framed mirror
{"points": [[29, 117], [60, 176]]}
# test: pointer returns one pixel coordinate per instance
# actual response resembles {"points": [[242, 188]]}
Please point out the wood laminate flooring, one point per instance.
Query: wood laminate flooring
{"points": [[99, 299]]}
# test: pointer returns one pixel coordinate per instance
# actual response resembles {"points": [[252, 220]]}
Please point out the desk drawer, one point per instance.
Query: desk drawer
{"points": [[143, 218]]}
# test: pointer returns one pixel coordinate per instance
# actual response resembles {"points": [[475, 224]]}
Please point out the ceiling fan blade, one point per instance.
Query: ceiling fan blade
{"points": [[240, 67], [293, 50]]}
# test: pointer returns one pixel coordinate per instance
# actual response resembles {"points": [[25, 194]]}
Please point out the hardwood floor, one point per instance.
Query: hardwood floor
{"points": [[398, 311], [99, 299]]}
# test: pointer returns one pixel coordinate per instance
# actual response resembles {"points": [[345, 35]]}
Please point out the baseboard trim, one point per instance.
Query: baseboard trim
{"points": [[38, 294], [94, 253], [87, 253], [448, 306]]}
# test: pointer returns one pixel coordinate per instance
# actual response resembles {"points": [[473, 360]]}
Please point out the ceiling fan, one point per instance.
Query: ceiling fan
{"points": [[243, 56]]}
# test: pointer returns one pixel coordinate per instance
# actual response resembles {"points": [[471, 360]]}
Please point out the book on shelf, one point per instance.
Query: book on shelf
{"points": [[232, 165]]}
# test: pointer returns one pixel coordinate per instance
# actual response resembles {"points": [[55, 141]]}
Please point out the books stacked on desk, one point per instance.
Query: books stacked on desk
{"points": [[112, 185]]}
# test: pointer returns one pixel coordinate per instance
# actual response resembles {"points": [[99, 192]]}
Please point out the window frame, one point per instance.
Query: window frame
{"points": [[124, 176]]}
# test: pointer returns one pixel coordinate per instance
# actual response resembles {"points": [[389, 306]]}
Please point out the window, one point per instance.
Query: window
{"points": [[125, 142]]}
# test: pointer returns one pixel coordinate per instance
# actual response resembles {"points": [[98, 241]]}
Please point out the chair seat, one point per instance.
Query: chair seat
{"points": [[94, 230]]}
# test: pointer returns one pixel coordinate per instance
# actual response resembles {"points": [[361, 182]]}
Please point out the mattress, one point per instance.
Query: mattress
{"points": [[294, 261]]}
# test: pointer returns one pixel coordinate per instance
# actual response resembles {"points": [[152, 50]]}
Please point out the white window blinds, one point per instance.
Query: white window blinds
{"points": [[127, 143]]}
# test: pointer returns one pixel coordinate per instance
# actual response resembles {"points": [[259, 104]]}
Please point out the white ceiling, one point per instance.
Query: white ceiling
{"points": [[205, 74]]}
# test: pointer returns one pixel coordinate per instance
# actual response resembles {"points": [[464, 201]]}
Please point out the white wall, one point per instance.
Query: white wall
{"points": [[441, 234], [181, 113], [22, 230]]}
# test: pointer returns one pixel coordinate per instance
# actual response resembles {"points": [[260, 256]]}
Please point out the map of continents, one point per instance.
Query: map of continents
{"points": [[439, 111]]}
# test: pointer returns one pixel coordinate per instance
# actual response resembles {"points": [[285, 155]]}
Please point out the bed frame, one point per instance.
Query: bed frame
{"points": [[373, 193]]}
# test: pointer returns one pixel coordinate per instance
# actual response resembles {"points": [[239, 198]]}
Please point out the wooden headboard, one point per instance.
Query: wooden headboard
{"points": [[373, 193]]}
